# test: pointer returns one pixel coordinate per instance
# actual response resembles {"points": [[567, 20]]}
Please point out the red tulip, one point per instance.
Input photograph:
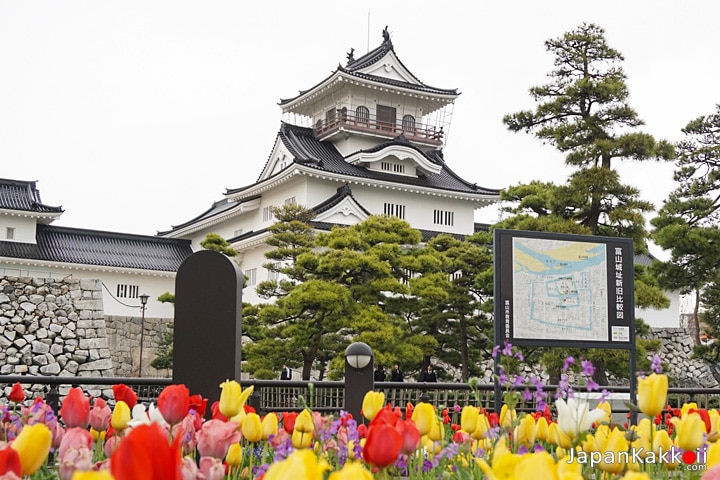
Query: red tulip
{"points": [[144, 454], [125, 393], [289, 422], [199, 404], [382, 445], [10, 462], [75, 410], [174, 403], [216, 413], [410, 435], [17, 394]]}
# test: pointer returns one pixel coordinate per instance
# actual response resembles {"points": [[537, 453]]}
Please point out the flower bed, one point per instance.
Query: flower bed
{"points": [[173, 440]]}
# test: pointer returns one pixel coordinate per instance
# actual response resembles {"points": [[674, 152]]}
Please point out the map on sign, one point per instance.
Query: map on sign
{"points": [[559, 290]]}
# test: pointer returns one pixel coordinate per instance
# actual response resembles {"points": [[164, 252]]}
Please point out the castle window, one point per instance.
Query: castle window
{"points": [[443, 217], [392, 167], [127, 291], [408, 123], [394, 210], [330, 116], [362, 114], [251, 274], [273, 274], [267, 214], [386, 117], [10, 233], [290, 201], [237, 232]]}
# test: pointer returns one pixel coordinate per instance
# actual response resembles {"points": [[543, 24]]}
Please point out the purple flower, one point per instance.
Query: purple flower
{"points": [[541, 405], [502, 378], [656, 366], [568, 361], [587, 368], [527, 395], [495, 351], [603, 395], [520, 356], [508, 349], [538, 448], [522, 450], [518, 381], [592, 385]]}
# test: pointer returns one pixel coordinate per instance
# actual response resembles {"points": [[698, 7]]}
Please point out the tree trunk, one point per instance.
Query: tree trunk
{"points": [[464, 354], [600, 376], [695, 321]]}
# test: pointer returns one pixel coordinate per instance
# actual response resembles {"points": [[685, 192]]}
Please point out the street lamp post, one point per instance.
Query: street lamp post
{"points": [[143, 305], [358, 377]]}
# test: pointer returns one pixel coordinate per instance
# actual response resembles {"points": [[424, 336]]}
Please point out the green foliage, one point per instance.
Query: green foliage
{"points": [[215, 242], [164, 358]]}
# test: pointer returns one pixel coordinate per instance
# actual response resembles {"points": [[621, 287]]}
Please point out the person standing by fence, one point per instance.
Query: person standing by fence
{"points": [[396, 375], [428, 375]]}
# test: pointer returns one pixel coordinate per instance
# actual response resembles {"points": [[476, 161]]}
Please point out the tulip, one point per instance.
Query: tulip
{"points": [[122, 392], [17, 394], [636, 476], [10, 461], [382, 446], [537, 465], [541, 429], [351, 471], [120, 416], [146, 453], [234, 455], [100, 415], [575, 416], [299, 464], [90, 475], [32, 445], [211, 468], [74, 439], [481, 427], [233, 398], [605, 406], [372, 403], [525, 431], [437, 432], [503, 465], [288, 420], [215, 437], [410, 436], [424, 416], [507, 416], [468, 418], [713, 455], [75, 410], [616, 443], [269, 426], [689, 431], [301, 440], [558, 437], [304, 422], [663, 443], [652, 394], [252, 428], [174, 403]]}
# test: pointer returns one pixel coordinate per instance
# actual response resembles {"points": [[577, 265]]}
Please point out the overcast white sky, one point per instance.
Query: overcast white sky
{"points": [[137, 115]]}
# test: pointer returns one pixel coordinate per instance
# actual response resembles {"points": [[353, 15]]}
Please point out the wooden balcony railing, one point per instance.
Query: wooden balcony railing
{"points": [[414, 131]]}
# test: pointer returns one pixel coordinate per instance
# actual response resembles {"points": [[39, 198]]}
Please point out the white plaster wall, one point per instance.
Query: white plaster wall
{"points": [[24, 228], [254, 258], [667, 318]]}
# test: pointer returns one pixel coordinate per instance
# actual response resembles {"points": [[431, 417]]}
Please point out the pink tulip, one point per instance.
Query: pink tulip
{"points": [[185, 431], [111, 445], [212, 468], [215, 437], [100, 415], [189, 469], [74, 439], [75, 459]]}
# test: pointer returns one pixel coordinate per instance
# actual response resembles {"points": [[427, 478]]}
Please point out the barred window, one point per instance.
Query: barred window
{"points": [[394, 210], [443, 217], [251, 274], [127, 291], [268, 214]]}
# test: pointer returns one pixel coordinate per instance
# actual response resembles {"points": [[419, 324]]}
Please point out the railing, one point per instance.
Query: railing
{"points": [[413, 131], [328, 396]]}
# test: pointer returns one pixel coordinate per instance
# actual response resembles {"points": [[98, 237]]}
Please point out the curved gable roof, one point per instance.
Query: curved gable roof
{"points": [[24, 196]]}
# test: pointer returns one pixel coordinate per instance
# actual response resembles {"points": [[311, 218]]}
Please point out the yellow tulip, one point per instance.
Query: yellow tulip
{"points": [[304, 422], [269, 425], [503, 462], [525, 431], [605, 406], [569, 470], [713, 455], [481, 427], [424, 416], [437, 432], [652, 394], [121, 416], [468, 418], [687, 407], [234, 455], [507, 416], [233, 398], [635, 476], [541, 429], [663, 443], [615, 444], [558, 437], [352, 471], [32, 445], [537, 465], [714, 419], [372, 403], [252, 428], [97, 436], [90, 475], [689, 431], [601, 436], [299, 464], [300, 439]]}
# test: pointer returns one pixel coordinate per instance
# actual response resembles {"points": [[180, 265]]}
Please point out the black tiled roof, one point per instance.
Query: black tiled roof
{"points": [[308, 151], [217, 208], [109, 249], [342, 193], [354, 66], [23, 195]]}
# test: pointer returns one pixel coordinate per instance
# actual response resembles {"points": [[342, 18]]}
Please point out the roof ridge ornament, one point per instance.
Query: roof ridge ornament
{"points": [[350, 56], [386, 37]]}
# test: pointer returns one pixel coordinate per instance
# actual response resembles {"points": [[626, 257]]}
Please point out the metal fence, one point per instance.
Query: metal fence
{"points": [[327, 396]]}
